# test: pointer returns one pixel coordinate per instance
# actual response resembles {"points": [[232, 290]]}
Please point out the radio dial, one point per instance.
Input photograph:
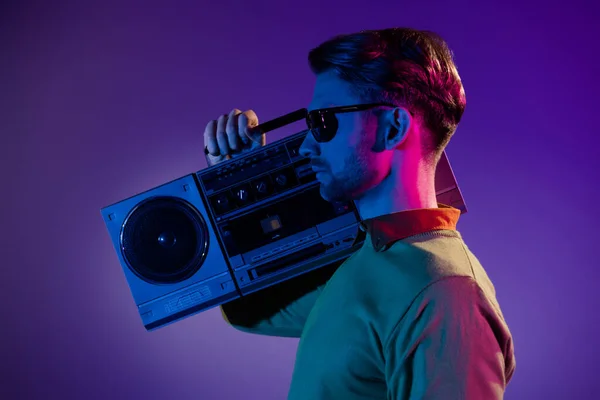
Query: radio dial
{"points": [[242, 195], [261, 187], [281, 179], [222, 201]]}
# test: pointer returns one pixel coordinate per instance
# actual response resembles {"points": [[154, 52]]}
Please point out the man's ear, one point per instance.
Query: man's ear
{"points": [[399, 120]]}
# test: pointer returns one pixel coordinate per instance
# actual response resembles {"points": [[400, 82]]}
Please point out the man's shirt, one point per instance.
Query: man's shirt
{"points": [[411, 315]]}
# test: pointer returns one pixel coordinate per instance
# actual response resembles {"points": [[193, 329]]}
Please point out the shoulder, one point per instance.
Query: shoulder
{"points": [[409, 266], [456, 304], [451, 331]]}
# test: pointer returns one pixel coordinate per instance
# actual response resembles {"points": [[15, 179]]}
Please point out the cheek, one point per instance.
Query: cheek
{"points": [[336, 156], [374, 166], [361, 130], [350, 151]]}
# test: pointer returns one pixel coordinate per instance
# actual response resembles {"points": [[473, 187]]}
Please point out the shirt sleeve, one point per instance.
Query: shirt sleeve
{"points": [[452, 343], [279, 310]]}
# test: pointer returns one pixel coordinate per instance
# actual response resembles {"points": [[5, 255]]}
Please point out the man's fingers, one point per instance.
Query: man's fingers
{"points": [[247, 121], [222, 135], [233, 136], [210, 138]]}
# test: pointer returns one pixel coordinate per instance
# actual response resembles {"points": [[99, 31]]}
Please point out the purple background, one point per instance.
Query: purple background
{"points": [[103, 100]]}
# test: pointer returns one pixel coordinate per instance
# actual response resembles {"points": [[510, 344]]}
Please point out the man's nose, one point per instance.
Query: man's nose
{"points": [[309, 147]]}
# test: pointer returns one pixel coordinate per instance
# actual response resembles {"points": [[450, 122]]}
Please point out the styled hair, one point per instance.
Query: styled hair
{"points": [[408, 67]]}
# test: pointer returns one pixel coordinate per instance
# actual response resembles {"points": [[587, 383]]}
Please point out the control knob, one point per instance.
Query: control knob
{"points": [[281, 179], [261, 187], [242, 194]]}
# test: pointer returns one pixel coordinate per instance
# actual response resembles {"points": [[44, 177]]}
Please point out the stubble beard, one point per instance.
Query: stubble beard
{"points": [[350, 183]]}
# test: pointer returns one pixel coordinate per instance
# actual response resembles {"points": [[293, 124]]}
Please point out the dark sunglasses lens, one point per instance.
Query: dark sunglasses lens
{"points": [[318, 134], [324, 126]]}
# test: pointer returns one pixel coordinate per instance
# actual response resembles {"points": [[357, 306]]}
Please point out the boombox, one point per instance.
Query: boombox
{"points": [[235, 228]]}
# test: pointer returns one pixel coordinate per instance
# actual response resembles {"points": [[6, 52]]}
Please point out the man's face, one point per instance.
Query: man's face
{"points": [[355, 160]]}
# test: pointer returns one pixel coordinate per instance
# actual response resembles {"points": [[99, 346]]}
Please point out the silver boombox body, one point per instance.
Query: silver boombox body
{"points": [[235, 228]]}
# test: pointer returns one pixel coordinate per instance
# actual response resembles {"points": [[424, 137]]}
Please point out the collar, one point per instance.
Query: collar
{"points": [[387, 229]]}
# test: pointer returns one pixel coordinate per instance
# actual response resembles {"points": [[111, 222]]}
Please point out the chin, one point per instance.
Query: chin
{"points": [[324, 193], [331, 197]]}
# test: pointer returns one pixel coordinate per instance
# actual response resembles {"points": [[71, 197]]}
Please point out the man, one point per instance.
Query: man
{"points": [[412, 314]]}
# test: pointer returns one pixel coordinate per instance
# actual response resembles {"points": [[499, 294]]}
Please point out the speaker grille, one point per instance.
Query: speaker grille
{"points": [[164, 240]]}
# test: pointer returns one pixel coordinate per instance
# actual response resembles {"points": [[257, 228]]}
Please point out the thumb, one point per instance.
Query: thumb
{"points": [[254, 133]]}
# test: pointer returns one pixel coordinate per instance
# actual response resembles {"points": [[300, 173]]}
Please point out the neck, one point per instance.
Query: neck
{"points": [[403, 189]]}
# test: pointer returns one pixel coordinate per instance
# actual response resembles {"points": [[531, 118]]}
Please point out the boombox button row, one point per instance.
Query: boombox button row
{"points": [[284, 247]]}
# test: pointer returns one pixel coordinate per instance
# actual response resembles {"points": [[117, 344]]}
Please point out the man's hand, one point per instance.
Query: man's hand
{"points": [[231, 135]]}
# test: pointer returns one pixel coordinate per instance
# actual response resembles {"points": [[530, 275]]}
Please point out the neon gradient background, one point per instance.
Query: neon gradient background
{"points": [[102, 100]]}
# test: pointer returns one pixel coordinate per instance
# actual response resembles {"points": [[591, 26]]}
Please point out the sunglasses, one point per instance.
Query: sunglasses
{"points": [[322, 122]]}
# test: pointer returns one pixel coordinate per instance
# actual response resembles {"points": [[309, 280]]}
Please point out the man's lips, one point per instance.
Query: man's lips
{"points": [[316, 168]]}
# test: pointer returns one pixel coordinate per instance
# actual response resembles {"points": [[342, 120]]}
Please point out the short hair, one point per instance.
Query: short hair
{"points": [[408, 67]]}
